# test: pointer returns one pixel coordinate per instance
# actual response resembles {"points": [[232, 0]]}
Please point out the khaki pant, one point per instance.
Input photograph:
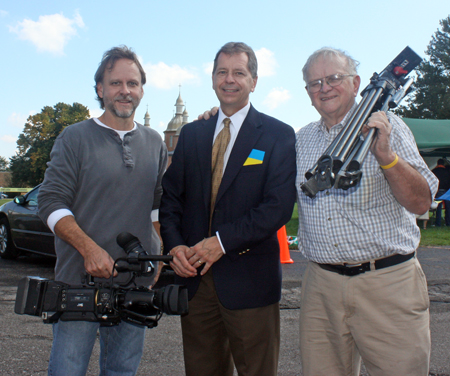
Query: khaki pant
{"points": [[381, 316]]}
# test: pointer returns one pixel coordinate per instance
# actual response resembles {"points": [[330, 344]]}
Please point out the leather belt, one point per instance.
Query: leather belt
{"points": [[355, 269]]}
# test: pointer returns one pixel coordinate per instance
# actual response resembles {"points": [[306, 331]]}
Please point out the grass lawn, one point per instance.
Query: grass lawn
{"points": [[431, 237], [435, 236], [292, 225]]}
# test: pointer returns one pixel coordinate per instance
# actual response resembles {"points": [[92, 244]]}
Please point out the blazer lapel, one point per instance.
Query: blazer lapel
{"points": [[245, 141], [204, 139]]}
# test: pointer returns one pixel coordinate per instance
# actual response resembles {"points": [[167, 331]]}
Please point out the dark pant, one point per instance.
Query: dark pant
{"points": [[215, 338], [439, 209]]}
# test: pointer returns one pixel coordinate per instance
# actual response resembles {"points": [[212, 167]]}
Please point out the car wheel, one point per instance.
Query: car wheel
{"points": [[7, 248]]}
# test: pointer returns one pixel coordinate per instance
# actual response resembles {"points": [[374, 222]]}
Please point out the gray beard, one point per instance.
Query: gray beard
{"points": [[123, 114]]}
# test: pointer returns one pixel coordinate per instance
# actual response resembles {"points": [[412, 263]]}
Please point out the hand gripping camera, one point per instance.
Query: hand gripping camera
{"points": [[106, 302]]}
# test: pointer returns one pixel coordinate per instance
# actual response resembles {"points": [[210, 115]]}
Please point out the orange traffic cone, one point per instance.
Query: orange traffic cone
{"points": [[285, 257]]}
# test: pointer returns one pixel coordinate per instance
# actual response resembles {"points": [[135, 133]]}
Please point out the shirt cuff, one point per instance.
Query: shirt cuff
{"points": [[155, 215], [220, 242], [53, 218]]}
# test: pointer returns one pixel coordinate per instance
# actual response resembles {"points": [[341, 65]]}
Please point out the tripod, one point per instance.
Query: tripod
{"points": [[340, 164]]}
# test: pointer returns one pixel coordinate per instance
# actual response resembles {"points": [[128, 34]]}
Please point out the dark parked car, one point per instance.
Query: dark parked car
{"points": [[21, 229]]}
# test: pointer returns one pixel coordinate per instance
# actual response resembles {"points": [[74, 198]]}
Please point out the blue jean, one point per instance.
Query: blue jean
{"points": [[121, 348]]}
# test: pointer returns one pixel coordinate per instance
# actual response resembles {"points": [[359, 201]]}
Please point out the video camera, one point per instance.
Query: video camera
{"points": [[105, 302]]}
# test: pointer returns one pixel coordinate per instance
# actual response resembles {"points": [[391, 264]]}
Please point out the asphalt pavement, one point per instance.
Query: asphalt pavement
{"points": [[25, 342]]}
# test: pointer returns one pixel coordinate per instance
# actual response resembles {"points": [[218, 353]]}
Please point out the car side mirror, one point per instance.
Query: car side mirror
{"points": [[19, 200]]}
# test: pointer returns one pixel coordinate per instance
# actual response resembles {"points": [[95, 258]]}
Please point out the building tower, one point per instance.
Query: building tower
{"points": [[172, 132], [147, 119]]}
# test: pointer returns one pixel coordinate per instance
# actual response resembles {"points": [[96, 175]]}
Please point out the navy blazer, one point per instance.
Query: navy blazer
{"points": [[253, 202]]}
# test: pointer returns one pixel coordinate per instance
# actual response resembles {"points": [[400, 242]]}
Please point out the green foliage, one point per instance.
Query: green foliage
{"points": [[36, 141], [3, 164], [432, 98]]}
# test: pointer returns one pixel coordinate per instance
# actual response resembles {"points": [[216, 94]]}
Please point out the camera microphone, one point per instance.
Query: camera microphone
{"points": [[128, 242], [132, 246], [137, 258]]}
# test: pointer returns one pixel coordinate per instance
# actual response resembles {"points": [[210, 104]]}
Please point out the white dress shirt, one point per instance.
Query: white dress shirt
{"points": [[236, 122]]}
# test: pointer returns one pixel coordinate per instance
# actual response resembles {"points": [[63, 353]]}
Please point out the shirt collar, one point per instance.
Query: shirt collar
{"points": [[120, 133], [236, 119]]}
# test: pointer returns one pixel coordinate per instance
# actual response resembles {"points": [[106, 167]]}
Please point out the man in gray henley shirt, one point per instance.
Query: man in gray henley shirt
{"points": [[104, 178]]}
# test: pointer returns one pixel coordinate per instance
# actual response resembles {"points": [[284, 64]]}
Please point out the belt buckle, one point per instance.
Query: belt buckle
{"points": [[354, 269], [352, 265]]}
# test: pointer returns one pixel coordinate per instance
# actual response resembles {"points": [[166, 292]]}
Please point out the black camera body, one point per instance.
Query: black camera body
{"points": [[105, 302]]}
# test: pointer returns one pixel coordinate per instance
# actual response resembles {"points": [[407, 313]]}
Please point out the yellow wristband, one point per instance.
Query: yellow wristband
{"points": [[392, 164]]}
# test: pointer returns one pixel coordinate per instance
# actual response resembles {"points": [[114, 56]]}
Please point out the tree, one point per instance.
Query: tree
{"points": [[3, 164], [36, 141], [431, 100]]}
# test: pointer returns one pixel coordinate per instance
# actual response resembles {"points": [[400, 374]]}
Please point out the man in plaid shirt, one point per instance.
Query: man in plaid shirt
{"points": [[364, 294]]}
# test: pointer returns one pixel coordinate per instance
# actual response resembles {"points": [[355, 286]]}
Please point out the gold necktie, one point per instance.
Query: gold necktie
{"points": [[218, 152]]}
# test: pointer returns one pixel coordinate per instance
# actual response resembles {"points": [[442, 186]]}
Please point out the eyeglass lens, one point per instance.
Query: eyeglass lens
{"points": [[333, 80]]}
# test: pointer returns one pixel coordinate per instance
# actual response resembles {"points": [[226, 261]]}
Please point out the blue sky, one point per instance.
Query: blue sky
{"points": [[51, 50]]}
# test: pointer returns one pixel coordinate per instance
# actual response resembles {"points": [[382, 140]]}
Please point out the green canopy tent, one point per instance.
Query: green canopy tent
{"points": [[432, 136]]}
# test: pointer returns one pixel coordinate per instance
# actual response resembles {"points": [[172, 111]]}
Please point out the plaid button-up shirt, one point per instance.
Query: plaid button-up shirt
{"points": [[364, 222]]}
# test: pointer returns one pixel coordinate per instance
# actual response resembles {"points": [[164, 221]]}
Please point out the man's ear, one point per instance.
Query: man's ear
{"points": [[356, 84], [255, 80], [100, 90]]}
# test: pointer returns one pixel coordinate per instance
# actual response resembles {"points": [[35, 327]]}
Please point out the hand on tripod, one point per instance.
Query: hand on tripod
{"points": [[381, 147]]}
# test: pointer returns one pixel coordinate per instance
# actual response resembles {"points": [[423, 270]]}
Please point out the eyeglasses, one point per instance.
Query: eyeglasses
{"points": [[333, 80]]}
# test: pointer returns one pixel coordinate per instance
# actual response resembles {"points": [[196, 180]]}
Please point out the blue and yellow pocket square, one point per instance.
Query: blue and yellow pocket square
{"points": [[255, 157]]}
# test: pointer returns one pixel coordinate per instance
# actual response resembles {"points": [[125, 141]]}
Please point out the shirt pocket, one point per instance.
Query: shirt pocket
{"points": [[367, 194]]}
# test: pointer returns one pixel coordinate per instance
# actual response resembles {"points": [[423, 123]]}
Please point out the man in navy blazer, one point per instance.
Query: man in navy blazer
{"points": [[228, 255]]}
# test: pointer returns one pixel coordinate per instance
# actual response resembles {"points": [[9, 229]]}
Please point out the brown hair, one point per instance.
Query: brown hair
{"points": [[109, 59], [232, 48]]}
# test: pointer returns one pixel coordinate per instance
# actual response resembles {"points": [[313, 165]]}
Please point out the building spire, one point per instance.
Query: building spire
{"points": [[179, 104], [147, 118]]}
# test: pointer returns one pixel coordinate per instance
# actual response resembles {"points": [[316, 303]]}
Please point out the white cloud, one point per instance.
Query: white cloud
{"points": [[8, 139], [19, 120], [96, 112], [163, 76], [208, 67], [276, 97], [3, 13], [266, 62], [50, 33], [161, 127]]}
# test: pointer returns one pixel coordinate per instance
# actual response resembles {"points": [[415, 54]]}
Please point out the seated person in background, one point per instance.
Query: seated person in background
{"points": [[443, 174]]}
